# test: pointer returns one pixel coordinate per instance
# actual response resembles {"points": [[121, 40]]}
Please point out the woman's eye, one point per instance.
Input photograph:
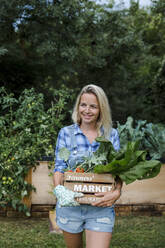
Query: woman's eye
{"points": [[83, 105], [93, 106]]}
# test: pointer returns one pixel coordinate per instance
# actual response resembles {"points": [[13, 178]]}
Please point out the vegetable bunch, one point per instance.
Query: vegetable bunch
{"points": [[129, 163]]}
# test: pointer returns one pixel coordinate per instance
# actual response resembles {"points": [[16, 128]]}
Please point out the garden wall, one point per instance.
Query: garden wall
{"points": [[146, 197], [140, 192], [141, 197]]}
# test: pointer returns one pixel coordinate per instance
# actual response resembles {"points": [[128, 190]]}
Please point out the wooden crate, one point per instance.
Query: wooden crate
{"points": [[88, 184]]}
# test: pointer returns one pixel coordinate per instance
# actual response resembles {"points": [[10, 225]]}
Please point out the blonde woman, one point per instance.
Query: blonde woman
{"points": [[92, 118]]}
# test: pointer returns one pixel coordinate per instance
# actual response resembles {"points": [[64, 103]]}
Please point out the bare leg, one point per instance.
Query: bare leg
{"points": [[97, 239], [73, 240]]}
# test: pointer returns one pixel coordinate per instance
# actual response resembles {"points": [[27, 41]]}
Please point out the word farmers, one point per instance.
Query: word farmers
{"points": [[79, 178], [91, 188]]}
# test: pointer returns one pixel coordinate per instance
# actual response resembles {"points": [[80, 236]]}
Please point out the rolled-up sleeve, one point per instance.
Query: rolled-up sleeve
{"points": [[60, 165]]}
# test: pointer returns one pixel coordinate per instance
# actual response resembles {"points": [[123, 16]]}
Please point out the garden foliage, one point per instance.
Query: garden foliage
{"points": [[45, 44], [151, 136], [28, 132]]}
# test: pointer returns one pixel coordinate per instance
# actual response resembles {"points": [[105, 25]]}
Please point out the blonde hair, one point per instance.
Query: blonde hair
{"points": [[104, 119]]}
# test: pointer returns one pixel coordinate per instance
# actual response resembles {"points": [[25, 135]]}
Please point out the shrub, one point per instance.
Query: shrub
{"points": [[28, 131]]}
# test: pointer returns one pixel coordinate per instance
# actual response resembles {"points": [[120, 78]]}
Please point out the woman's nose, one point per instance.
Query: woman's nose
{"points": [[87, 109]]}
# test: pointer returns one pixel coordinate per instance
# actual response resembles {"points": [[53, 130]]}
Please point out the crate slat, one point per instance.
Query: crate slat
{"points": [[88, 187], [88, 177], [87, 199]]}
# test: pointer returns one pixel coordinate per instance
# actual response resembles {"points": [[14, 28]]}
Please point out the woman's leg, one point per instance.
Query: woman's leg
{"points": [[73, 240], [97, 239]]}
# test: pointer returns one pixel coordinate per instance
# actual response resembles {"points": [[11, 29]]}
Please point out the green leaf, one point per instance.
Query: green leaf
{"points": [[143, 170], [105, 147], [122, 160], [130, 164], [24, 193]]}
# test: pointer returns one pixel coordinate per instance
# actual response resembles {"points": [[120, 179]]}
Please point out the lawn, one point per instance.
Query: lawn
{"points": [[130, 232]]}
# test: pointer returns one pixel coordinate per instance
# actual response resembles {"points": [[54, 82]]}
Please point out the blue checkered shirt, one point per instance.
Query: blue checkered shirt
{"points": [[65, 139]]}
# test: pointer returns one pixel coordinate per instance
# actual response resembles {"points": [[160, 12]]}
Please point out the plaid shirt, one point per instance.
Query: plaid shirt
{"points": [[65, 140]]}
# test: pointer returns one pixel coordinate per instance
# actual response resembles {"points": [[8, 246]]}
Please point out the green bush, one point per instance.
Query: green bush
{"points": [[151, 136], [28, 132]]}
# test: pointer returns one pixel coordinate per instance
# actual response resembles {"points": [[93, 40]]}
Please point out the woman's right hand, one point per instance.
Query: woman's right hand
{"points": [[66, 197]]}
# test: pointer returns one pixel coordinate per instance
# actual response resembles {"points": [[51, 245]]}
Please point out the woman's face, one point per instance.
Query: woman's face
{"points": [[89, 109]]}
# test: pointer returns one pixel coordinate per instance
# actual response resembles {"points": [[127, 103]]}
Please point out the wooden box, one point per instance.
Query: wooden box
{"points": [[88, 184]]}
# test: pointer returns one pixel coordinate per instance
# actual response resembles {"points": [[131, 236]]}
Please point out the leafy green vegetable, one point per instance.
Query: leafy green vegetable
{"points": [[142, 170], [90, 162], [152, 136], [155, 140], [105, 148], [130, 164]]}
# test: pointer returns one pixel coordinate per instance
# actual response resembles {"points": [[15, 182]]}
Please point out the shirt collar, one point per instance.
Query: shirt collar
{"points": [[77, 129]]}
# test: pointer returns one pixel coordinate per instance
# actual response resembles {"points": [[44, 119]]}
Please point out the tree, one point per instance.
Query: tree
{"points": [[45, 41], [49, 43]]}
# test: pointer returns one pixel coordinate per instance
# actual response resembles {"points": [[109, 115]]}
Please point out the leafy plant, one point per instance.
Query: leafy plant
{"points": [[155, 140], [28, 132], [129, 163], [151, 136]]}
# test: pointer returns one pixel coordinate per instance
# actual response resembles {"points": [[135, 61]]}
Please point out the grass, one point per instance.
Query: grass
{"points": [[139, 232], [129, 232]]}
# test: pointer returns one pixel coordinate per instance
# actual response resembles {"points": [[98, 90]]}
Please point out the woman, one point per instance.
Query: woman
{"points": [[92, 118]]}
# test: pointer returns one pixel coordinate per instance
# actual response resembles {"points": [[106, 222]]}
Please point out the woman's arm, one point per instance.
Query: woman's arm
{"points": [[58, 178], [60, 164]]}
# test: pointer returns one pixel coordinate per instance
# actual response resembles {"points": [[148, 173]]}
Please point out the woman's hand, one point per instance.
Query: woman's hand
{"points": [[107, 198]]}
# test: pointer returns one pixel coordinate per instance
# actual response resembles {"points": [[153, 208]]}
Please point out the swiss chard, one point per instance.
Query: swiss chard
{"points": [[130, 164]]}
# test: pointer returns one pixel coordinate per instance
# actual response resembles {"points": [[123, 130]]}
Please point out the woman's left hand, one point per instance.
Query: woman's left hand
{"points": [[107, 199]]}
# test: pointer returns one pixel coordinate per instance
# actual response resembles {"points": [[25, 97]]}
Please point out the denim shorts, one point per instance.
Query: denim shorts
{"points": [[76, 219]]}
